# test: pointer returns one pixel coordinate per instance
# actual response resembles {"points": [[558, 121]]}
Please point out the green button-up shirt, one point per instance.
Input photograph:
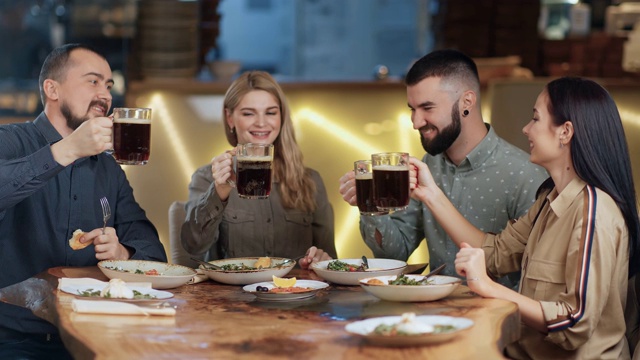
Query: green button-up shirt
{"points": [[495, 183]]}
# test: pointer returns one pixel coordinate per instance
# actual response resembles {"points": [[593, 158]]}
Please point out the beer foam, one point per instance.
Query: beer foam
{"points": [[390, 168], [367, 176], [254, 158], [132, 121]]}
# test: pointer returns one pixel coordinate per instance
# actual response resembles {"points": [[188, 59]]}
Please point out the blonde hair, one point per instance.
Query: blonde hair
{"points": [[297, 189]]}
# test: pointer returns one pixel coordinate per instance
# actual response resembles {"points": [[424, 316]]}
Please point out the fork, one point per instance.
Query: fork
{"points": [[106, 212]]}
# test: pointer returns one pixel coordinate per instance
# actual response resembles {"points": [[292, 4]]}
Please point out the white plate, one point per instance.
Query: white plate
{"points": [[78, 289], [172, 275], [378, 267], [440, 287], [244, 277], [365, 329], [314, 286]]}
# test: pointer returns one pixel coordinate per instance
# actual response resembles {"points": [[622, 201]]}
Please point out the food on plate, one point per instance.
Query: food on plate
{"points": [[337, 265], [152, 272], [409, 326], [236, 267], [262, 263], [404, 280], [283, 285], [283, 282], [75, 243], [375, 282], [116, 289]]}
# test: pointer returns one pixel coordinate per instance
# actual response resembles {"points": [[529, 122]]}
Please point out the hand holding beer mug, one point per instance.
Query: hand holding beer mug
{"points": [[390, 180], [131, 135], [364, 188], [253, 170]]}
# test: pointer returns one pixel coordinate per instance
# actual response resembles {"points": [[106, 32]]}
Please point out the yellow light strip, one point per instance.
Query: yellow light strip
{"points": [[332, 128], [157, 103], [351, 221], [631, 117], [406, 134]]}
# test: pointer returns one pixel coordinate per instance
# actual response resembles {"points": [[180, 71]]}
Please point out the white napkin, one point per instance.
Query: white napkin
{"points": [[199, 277], [97, 283], [118, 308]]}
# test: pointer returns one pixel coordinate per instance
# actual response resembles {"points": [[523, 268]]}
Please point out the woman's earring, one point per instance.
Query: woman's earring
{"points": [[465, 113], [232, 130]]}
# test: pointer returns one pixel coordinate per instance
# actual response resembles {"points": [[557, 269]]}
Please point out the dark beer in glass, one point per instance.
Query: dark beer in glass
{"points": [[131, 135], [364, 188], [253, 170], [390, 181]]}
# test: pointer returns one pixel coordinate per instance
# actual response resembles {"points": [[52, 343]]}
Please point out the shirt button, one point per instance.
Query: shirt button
{"points": [[269, 220], [46, 166], [75, 197], [235, 217]]}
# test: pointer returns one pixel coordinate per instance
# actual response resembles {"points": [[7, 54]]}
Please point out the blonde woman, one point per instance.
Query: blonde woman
{"points": [[296, 219]]}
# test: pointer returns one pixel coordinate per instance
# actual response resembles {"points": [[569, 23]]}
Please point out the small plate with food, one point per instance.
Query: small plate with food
{"points": [[285, 289], [248, 270], [160, 275], [350, 271], [410, 288], [409, 329], [115, 290]]}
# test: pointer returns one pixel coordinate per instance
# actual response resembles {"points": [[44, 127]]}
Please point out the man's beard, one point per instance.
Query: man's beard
{"points": [[73, 122], [446, 137]]}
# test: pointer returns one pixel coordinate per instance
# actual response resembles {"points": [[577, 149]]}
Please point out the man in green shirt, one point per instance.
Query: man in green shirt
{"points": [[488, 180]]}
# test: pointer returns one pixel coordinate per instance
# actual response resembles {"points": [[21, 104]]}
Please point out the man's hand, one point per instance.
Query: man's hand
{"points": [[348, 188], [107, 246], [92, 137]]}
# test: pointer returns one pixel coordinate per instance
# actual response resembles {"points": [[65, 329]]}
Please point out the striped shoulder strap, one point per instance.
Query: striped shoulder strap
{"points": [[582, 271]]}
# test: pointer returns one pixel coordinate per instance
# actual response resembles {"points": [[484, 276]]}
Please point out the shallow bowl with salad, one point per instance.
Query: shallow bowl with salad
{"points": [[248, 270], [408, 329], [160, 275], [410, 288], [350, 271]]}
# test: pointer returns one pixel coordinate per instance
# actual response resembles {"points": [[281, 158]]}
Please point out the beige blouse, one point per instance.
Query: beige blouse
{"points": [[572, 248]]}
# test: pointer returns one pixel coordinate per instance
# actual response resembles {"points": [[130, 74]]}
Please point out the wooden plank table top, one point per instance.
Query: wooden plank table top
{"points": [[217, 321]]}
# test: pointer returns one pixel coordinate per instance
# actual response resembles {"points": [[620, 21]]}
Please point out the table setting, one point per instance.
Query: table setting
{"points": [[325, 318]]}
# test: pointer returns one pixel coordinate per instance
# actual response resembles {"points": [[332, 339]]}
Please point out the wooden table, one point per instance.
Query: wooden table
{"points": [[222, 322]]}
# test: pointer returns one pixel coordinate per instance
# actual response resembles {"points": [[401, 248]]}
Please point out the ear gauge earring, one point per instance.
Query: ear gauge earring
{"points": [[465, 113]]}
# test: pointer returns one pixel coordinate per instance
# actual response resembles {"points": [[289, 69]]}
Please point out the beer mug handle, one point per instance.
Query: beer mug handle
{"points": [[235, 167]]}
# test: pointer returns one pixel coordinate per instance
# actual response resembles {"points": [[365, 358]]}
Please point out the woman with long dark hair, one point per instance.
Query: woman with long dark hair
{"points": [[578, 244]]}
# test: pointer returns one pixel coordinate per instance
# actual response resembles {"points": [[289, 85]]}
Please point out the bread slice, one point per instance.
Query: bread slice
{"points": [[75, 243]]}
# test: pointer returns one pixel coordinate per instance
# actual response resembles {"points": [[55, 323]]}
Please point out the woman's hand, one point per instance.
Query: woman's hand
{"points": [[222, 172], [313, 255], [470, 264], [421, 181], [348, 188]]}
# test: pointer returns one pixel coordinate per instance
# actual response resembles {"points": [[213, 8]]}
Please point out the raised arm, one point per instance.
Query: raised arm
{"points": [[424, 189]]}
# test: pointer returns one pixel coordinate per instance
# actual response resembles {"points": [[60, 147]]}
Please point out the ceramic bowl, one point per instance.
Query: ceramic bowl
{"points": [[377, 267], [169, 275]]}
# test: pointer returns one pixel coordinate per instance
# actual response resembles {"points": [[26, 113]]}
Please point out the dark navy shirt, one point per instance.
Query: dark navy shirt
{"points": [[42, 203]]}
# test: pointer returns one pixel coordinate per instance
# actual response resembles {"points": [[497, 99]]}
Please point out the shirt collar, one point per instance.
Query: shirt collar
{"points": [[560, 202], [481, 153], [47, 130]]}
